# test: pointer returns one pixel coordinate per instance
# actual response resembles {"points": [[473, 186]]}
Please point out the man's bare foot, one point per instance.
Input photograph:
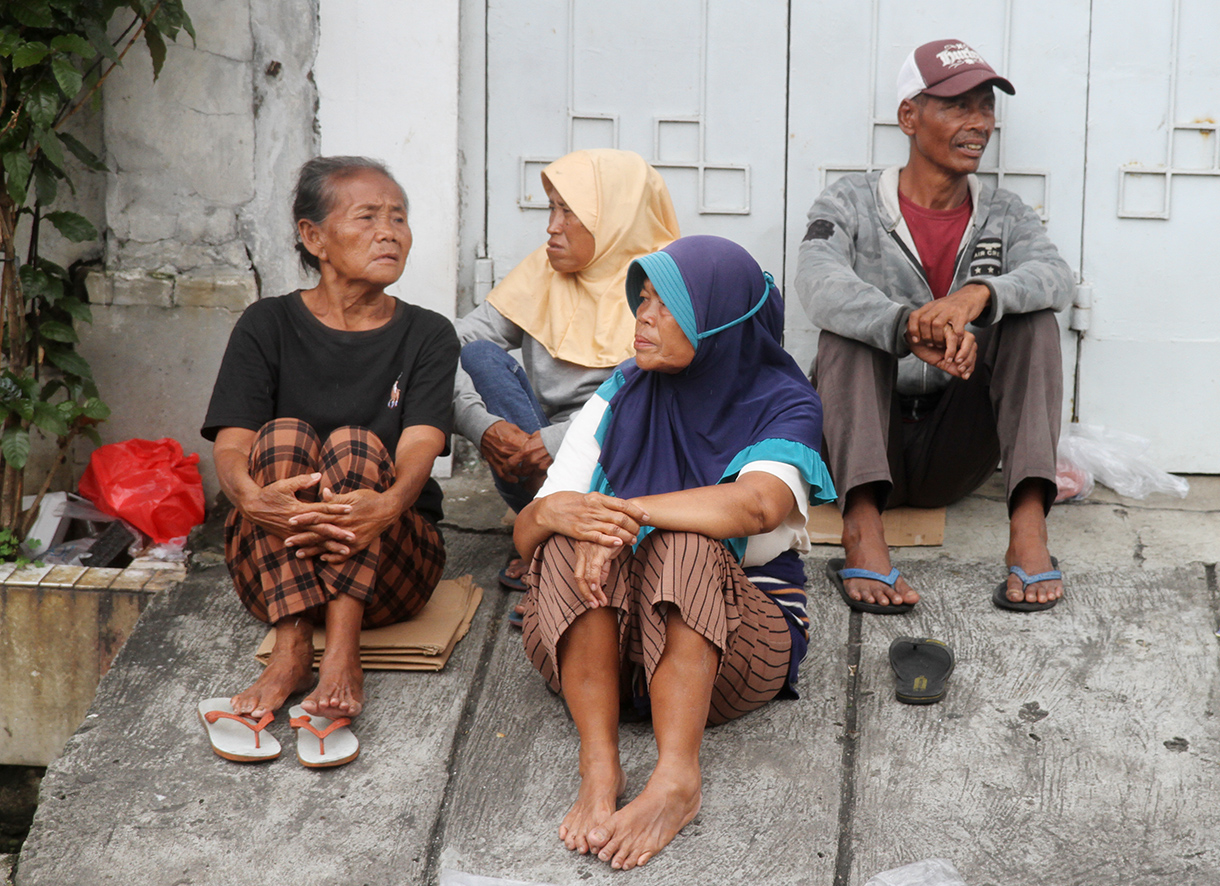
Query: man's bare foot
{"points": [[288, 671], [647, 824], [601, 784], [865, 547], [340, 689], [1027, 538]]}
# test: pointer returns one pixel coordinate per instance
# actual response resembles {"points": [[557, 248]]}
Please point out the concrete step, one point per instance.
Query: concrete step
{"points": [[1075, 746]]}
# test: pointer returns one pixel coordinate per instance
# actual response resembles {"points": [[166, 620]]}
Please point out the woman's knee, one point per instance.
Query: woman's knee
{"points": [[283, 447], [477, 352]]}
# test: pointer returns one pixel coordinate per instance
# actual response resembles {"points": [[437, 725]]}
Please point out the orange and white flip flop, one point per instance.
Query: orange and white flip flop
{"points": [[236, 737], [322, 742]]}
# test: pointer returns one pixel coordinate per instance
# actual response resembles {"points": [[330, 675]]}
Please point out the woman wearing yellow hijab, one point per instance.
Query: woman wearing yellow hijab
{"points": [[565, 307]]}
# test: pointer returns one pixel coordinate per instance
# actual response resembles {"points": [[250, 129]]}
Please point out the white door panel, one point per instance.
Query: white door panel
{"points": [[694, 86], [1150, 362]]}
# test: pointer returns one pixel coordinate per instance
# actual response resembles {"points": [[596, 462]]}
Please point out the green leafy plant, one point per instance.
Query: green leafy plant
{"points": [[54, 57]]}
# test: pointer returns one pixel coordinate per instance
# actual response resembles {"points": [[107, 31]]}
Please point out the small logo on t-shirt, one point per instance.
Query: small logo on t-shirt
{"points": [[395, 393], [988, 258]]}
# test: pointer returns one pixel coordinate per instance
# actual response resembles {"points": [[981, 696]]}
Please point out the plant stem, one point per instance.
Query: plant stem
{"points": [[102, 79]]}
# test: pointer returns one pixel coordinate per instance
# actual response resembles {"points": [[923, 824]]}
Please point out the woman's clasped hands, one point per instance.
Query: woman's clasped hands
{"points": [[332, 529], [601, 526]]}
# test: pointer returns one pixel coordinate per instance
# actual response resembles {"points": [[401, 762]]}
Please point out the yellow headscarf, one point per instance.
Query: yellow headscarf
{"points": [[584, 317]]}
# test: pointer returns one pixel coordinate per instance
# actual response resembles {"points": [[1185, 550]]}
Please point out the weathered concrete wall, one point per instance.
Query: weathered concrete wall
{"points": [[197, 209]]}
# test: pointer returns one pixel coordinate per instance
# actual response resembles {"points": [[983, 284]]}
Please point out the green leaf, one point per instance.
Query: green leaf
{"points": [[15, 446], [46, 186], [42, 102], [9, 41], [9, 389], [82, 153], [76, 309], [34, 281], [56, 331], [24, 408], [48, 418], [156, 49], [17, 169], [75, 227], [49, 389], [29, 54], [99, 41], [92, 435], [75, 44], [51, 269], [95, 409], [69, 361], [66, 75], [49, 142], [31, 13]]}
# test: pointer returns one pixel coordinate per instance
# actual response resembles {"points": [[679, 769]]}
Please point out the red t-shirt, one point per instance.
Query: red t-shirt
{"points": [[937, 234]]}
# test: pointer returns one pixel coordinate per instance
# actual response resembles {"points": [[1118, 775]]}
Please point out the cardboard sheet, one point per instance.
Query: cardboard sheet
{"points": [[422, 644], [904, 527]]}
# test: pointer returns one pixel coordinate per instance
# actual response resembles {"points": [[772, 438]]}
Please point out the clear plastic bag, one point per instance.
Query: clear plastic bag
{"points": [[1116, 459], [929, 872]]}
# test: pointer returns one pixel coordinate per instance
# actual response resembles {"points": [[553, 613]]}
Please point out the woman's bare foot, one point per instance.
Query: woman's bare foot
{"points": [[647, 824], [288, 671], [340, 689], [601, 784]]}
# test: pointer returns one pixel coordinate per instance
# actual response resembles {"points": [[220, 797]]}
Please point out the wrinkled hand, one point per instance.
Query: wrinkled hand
{"points": [[276, 505], [941, 323], [501, 445], [532, 459], [336, 537], [593, 517], [592, 569], [960, 365]]}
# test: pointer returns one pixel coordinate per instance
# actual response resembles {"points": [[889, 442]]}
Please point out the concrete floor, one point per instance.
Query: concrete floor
{"points": [[1077, 746]]}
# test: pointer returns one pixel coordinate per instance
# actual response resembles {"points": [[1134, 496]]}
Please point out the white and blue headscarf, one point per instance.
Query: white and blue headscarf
{"points": [[742, 398]]}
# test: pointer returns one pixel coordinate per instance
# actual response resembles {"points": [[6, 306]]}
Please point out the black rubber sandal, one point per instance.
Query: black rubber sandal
{"points": [[922, 666]]}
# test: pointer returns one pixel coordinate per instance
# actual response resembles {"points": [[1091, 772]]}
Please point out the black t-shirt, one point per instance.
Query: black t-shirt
{"points": [[282, 362]]}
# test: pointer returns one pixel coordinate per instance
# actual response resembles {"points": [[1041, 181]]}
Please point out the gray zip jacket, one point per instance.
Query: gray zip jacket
{"points": [[858, 274]]}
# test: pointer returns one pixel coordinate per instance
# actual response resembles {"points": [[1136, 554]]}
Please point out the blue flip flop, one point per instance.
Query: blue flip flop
{"points": [[836, 572], [1000, 597], [507, 582]]}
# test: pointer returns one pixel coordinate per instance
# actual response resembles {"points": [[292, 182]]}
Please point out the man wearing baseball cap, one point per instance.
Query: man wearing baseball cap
{"points": [[939, 352]]}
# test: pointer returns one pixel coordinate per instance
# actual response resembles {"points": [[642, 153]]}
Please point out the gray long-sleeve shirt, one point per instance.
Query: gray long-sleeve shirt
{"points": [[562, 387], [858, 274]]}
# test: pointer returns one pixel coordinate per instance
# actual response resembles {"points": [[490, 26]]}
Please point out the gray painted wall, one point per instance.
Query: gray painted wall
{"points": [[196, 209]]}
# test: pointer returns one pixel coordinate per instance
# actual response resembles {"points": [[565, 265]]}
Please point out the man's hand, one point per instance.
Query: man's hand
{"points": [[941, 323], [502, 445], [961, 365]]}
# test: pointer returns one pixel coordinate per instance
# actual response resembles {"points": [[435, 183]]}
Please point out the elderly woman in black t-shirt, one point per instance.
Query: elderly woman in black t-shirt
{"points": [[329, 409]]}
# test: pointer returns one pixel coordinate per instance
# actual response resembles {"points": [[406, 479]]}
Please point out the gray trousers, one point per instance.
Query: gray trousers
{"points": [[1007, 411]]}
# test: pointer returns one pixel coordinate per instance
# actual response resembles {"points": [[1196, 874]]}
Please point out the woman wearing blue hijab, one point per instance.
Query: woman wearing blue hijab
{"points": [[665, 569]]}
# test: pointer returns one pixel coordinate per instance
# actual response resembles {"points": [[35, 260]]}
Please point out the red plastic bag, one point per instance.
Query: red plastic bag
{"points": [[151, 484]]}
